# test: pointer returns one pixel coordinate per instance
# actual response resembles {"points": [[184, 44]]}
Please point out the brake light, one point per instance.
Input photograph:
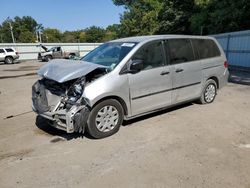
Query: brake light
{"points": [[226, 64]]}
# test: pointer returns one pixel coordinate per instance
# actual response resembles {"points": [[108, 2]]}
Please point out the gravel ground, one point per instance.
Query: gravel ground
{"points": [[187, 146]]}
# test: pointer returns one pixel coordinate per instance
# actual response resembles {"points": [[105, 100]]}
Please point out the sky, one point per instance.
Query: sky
{"points": [[64, 14]]}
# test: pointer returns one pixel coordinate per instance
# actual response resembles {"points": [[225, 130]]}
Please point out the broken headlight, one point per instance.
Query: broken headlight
{"points": [[76, 90]]}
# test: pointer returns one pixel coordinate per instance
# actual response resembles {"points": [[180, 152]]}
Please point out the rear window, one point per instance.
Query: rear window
{"points": [[9, 50], [180, 51], [1, 51], [206, 48]]}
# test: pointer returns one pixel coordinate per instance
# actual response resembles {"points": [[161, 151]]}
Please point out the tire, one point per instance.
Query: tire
{"points": [[209, 92], [72, 56], [48, 58], [101, 117], [9, 60]]}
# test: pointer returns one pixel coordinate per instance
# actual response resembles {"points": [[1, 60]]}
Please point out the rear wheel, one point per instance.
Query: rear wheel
{"points": [[105, 119], [209, 92], [9, 60]]}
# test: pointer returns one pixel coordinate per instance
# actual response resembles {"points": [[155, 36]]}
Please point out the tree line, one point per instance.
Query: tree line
{"points": [[142, 17], [27, 30]]}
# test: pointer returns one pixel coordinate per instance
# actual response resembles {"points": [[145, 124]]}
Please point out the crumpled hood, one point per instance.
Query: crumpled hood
{"points": [[62, 70]]}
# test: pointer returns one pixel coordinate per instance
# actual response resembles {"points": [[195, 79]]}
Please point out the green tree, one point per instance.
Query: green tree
{"points": [[140, 17], [94, 34], [112, 32], [174, 17], [143, 17], [123, 2], [219, 16], [5, 32], [70, 36], [27, 37], [52, 35], [24, 29], [82, 36]]}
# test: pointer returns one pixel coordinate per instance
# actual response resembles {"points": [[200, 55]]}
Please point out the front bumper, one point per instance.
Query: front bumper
{"points": [[70, 121], [51, 107], [40, 58]]}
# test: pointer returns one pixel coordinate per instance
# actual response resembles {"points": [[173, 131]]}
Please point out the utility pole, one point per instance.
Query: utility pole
{"points": [[37, 39], [39, 33], [1, 38], [40, 36], [78, 41], [202, 27], [11, 30]]}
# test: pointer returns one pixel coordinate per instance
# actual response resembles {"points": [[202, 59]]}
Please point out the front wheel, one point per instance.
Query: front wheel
{"points": [[105, 119], [48, 58], [209, 92], [72, 56]]}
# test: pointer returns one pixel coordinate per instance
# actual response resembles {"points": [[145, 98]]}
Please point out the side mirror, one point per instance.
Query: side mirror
{"points": [[136, 66]]}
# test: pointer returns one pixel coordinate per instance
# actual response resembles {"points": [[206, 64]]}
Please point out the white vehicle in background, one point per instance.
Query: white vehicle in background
{"points": [[8, 55]]}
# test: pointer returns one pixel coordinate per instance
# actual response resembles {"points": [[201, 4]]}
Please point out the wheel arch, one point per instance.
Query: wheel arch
{"points": [[8, 56], [119, 99], [216, 81]]}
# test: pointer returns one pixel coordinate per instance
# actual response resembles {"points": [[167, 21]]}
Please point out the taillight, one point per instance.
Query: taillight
{"points": [[226, 64]]}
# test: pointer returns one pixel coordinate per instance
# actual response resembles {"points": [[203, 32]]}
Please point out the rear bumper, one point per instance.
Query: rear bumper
{"points": [[224, 79], [16, 57]]}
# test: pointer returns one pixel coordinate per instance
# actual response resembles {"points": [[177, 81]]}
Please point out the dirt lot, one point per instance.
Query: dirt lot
{"points": [[188, 146]]}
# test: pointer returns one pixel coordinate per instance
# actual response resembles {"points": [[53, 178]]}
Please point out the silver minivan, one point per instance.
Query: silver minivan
{"points": [[127, 78]]}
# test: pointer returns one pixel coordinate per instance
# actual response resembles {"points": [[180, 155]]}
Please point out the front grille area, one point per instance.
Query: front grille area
{"points": [[47, 93], [54, 87]]}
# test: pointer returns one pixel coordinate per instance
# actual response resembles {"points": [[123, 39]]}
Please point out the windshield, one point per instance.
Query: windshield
{"points": [[109, 54], [51, 49]]}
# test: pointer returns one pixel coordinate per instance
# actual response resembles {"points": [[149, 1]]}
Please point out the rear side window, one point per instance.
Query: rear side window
{"points": [[1, 51], [9, 50], [180, 51], [206, 48]]}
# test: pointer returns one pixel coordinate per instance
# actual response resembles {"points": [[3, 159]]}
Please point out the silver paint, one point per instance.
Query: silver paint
{"points": [[61, 70], [129, 87]]}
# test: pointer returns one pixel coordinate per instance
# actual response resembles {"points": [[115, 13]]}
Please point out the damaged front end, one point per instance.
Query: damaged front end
{"points": [[60, 99], [61, 104]]}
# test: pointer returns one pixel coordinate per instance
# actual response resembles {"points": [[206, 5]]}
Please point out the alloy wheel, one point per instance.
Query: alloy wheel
{"points": [[210, 93]]}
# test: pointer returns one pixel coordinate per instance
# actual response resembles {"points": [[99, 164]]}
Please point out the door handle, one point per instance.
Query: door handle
{"points": [[164, 72], [179, 70]]}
